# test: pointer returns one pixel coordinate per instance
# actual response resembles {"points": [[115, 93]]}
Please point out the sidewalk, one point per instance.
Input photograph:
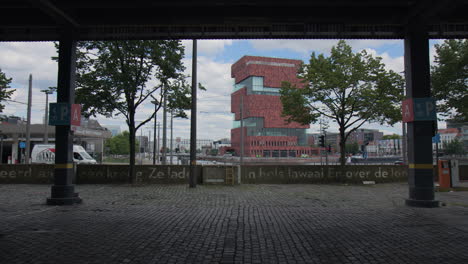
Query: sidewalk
{"points": [[242, 224]]}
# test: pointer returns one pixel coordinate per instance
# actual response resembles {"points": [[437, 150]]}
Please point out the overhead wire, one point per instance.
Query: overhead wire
{"points": [[14, 101]]}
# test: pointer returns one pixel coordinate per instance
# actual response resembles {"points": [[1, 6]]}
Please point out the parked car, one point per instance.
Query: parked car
{"points": [[399, 162]]}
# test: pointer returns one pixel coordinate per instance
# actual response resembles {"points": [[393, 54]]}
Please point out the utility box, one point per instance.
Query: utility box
{"points": [[459, 173], [444, 174]]}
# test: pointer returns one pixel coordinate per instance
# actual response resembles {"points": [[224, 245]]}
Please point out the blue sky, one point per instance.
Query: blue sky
{"points": [[215, 57]]}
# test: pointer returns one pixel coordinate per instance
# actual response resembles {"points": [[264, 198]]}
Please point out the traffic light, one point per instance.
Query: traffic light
{"points": [[322, 141]]}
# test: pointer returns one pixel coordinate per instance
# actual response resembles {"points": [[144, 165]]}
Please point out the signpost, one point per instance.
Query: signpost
{"points": [[419, 109], [75, 115], [61, 114], [436, 140]]}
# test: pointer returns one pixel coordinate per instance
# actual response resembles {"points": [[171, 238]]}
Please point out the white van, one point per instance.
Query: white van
{"points": [[45, 153]]}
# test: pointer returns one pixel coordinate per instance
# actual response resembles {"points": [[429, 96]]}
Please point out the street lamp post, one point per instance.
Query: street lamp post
{"points": [[164, 137], [141, 146], [172, 128], [148, 144], [1, 147], [155, 102], [48, 91], [28, 124], [157, 140]]}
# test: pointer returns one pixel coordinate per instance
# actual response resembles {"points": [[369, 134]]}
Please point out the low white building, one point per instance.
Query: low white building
{"points": [[389, 146], [448, 135]]}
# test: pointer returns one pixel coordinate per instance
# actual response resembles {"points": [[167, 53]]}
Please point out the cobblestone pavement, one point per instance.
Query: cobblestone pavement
{"points": [[222, 224]]}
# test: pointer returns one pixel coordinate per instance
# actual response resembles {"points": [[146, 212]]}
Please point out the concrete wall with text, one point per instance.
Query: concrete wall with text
{"points": [[177, 174], [96, 174], [87, 174], [21, 173], [323, 174]]}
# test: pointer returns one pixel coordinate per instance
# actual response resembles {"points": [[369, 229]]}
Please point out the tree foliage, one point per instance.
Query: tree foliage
{"points": [[113, 76], [119, 144], [352, 147], [5, 93], [117, 77], [393, 136], [454, 147], [449, 79], [348, 88]]}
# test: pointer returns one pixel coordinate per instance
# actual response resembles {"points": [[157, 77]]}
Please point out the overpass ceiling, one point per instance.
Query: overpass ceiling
{"points": [[36, 20]]}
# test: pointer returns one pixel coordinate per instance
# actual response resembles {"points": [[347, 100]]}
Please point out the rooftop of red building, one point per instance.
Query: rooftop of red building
{"points": [[448, 131]]}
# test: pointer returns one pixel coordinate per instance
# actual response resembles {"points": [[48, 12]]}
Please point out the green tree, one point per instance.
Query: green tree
{"points": [[349, 88], [454, 147], [5, 93], [393, 136], [352, 147], [449, 77], [119, 144], [117, 77]]}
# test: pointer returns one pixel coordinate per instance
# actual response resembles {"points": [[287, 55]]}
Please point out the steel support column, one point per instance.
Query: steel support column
{"points": [[417, 72], [63, 190]]}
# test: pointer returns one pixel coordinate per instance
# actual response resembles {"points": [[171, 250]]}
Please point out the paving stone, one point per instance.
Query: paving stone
{"points": [[242, 224]]}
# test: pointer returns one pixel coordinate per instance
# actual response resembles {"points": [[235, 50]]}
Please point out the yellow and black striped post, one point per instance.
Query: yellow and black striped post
{"points": [[63, 190], [420, 131]]}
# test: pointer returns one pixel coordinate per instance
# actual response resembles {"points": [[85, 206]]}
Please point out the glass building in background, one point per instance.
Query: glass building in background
{"points": [[266, 132]]}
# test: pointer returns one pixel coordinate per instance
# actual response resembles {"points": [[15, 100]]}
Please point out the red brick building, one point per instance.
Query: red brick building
{"points": [[266, 133]]}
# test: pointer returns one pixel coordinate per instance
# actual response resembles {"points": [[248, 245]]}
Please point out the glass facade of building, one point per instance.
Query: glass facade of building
{"points": [[255, 127], [254, 85]]}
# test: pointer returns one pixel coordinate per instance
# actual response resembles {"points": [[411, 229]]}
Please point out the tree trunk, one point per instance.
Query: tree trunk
{"points": [[131, 128], [342, 147]]}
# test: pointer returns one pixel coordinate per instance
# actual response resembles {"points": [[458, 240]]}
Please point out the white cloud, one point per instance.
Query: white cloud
{"points": [[305, 47], [318, 45], [214, 119], [391, 63], [432, 50], [396, 64], [17, 61], [206, 47]]}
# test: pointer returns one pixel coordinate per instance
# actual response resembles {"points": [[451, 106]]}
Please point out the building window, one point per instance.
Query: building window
{"points": [[254, 85], [257, 84]]}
